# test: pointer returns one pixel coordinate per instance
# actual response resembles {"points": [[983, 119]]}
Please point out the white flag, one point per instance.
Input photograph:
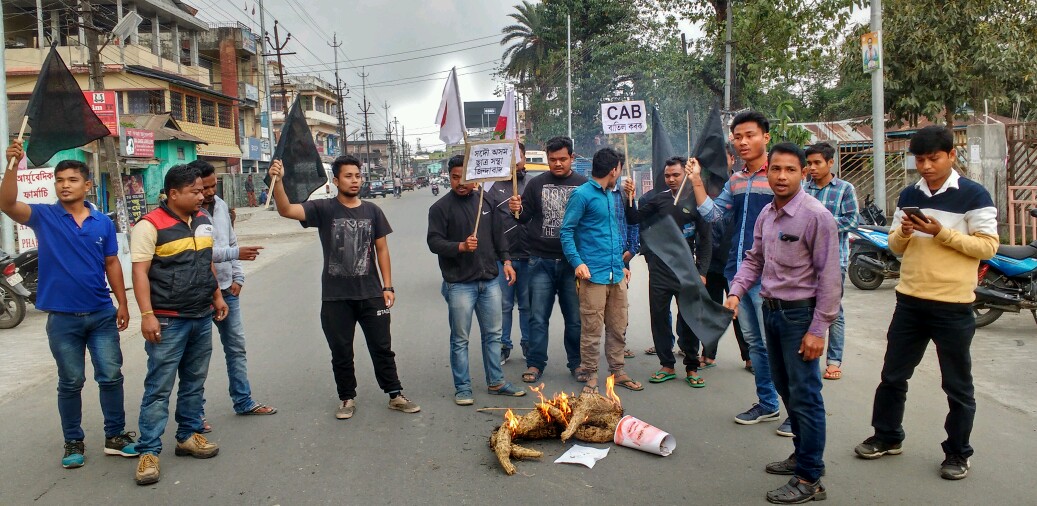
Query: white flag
{"points": [[506, 122], [451, 115]]}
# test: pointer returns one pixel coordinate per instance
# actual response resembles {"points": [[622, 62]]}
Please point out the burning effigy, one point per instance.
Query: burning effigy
{"points": [[591, 418]]}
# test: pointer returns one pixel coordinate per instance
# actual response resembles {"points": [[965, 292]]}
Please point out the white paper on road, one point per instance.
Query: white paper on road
{"points": [[583, 455]]}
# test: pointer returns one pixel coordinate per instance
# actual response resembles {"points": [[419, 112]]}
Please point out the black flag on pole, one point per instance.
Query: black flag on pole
{"points": [[303, 169], [711, 152], [58, 113], [662, 149], [707, 319]]}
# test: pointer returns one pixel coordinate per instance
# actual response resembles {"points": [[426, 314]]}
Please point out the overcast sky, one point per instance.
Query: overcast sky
{"points": [[370, 32]]}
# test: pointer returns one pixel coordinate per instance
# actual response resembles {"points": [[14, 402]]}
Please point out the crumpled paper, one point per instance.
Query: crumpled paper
{"points": [[583, 455]]}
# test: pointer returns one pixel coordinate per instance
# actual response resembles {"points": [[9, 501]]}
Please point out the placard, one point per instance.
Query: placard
{"points": [[871, 51], [489, 160], [624, 117], [35, 186]]}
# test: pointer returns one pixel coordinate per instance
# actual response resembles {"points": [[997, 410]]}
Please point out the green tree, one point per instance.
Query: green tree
{"points": [[943, 57], [529, 44]]}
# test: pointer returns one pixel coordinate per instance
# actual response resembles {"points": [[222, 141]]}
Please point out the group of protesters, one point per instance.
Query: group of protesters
{"points": [[771, 246]]}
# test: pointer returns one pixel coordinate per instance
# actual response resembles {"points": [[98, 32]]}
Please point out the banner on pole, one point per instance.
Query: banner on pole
{"points": [[624, 117], [871, 51], [489, 160]]}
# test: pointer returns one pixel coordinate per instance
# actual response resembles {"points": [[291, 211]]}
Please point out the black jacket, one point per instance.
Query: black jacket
{"points": [[498, 196], [451, 220], [181, 276]]}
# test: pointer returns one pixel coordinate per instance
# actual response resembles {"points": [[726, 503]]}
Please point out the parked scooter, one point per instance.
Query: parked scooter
{"points": [[12, 294], [28, 266], [435, 189], [871, 261], [1007, 282]]}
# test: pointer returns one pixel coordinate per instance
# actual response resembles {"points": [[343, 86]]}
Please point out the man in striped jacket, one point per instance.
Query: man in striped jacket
{"points": [[946, 225]]}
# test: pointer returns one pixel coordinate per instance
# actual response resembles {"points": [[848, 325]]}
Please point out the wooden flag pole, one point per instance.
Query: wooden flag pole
{"points": [[21, 132], [630, 173], [514, 179], [478, 212], [679, 190], [270, 194]]}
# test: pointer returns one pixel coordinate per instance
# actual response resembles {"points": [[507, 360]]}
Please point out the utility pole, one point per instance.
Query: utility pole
{"points": [[399, 150], [388, 140], [115, 188], [365, 109], [278, 50], [7, 240], [266, 83], [403, 147], [727, 66], [569, 72], [335, 44], [878, 114]]}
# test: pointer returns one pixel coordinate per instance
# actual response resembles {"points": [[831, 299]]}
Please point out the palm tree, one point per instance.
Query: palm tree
{"points": [[529, 45]]}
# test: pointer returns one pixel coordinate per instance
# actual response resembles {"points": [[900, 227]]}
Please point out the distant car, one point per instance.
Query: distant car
{"points": [[422, 181], [409, 184], [379, 189]]}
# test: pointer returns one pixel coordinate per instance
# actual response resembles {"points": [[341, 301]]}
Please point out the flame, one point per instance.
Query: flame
{"points": [[610, 390], [511, 421], [559, 401]]}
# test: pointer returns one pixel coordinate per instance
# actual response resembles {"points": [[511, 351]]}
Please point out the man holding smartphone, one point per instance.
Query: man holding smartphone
{"points": [[947, 224]]}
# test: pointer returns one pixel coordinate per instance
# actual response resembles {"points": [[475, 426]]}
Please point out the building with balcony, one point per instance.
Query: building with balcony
{"points": [[320, 105]]}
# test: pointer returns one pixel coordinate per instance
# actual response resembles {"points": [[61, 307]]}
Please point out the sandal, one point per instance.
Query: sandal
{"points": [[650, 351], [627, 353], [833, 372], [695, 381], [506, 389], [531, 375], [206, 427], [662, 376], [707, 365], [628, 383], [589, 390], [260, 409], [583, 376]]}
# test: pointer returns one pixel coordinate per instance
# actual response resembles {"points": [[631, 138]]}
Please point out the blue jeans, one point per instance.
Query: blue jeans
{"points": [[751, 321], [483, 299], [799, 383], [547, 278], [184, 350], [70, 335], [232, 335], [837, 335], [511, 296]]}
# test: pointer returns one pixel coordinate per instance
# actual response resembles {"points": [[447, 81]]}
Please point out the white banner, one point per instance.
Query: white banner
{"points": [[624, 117], [35, 186]]}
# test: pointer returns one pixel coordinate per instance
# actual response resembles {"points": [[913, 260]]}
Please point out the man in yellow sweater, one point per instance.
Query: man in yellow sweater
{"points": [[947, 224]]}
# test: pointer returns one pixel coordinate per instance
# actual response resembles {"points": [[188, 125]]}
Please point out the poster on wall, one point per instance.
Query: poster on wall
{"points": [[136, 204]]}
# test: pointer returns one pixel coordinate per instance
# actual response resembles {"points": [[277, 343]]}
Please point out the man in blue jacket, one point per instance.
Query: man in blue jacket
{"points": [[591, 243]]}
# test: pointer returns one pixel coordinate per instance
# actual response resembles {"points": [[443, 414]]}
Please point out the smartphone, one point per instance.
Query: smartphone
{"points": [[916, 212]]}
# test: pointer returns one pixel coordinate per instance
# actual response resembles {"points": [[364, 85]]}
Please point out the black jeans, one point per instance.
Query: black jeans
{"points": [[951, 327], [338, 318], [716, 285], [661, 291]]}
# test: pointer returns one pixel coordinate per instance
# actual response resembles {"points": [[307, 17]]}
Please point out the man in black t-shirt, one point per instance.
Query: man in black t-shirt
{"points": [[352, 234]]}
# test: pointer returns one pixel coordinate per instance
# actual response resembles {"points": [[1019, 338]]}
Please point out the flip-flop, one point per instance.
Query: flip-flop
{"points": [[531, 377], [650, 351], [707, 365], [589, 390], [627, 353], [833, 375], [695, 381], [260, 409], [661, 377], [629, 384]]}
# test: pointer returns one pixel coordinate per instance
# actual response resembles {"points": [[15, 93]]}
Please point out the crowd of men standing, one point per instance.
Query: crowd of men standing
{"points": [[778, 228]]}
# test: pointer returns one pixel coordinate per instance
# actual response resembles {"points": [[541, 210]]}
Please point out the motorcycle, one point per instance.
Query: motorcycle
{"points": [[435, 189], [871, 261], [12, 294], [1007, 282], [27, 264], [871, 214]]}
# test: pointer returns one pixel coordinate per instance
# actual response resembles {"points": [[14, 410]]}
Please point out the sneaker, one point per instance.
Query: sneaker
{"points": [[346, 410], [196, 446], [785, 467], [872, 448], [954, 467], [73, 455], [464, 399], [785, 429], [401, 403], [505, 354], [755, 415], [122, 445], [147, 469], [797, 492]]}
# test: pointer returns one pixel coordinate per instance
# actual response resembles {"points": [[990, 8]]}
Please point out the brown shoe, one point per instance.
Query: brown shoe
{"points": [[147, 469], [196, 446], [401, 403]]}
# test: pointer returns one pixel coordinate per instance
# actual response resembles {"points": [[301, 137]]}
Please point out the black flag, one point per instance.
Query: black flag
{"points": [[662, 150], [707, 319], [711, 152], [58, 113], [303, 169]]}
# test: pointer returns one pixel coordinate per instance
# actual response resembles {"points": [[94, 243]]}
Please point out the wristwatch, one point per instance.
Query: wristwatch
{"points": [[388, 289]]}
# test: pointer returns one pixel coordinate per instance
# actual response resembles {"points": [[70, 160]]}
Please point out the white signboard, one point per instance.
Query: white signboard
{"points": [[489, 160], [624, 117], [35, 186]]}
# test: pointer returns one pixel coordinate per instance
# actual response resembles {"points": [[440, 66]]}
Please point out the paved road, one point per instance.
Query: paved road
{"points": [[304, 456]]}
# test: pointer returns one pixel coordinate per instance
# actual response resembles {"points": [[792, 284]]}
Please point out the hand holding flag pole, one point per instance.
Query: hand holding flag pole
{"points": [[692, 169], [21, 132]]}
